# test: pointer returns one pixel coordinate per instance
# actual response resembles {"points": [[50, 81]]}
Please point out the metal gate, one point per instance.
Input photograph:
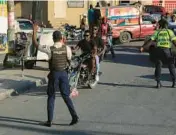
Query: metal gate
{"points": [[169, 5]]}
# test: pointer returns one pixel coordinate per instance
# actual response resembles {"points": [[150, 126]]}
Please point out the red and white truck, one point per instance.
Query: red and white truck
{"points": [[129, 23]]}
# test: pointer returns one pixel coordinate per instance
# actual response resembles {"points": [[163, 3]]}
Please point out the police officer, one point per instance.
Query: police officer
{"points": [[59, 55], [164, 38]]}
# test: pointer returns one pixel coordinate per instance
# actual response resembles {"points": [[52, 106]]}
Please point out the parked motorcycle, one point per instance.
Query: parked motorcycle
{"points": [[72, 32], [79, 74], [21, 50]]}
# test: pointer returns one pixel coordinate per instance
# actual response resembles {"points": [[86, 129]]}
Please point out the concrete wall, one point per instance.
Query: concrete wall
{"points": [[46, 12], [72, 14], [23, 8]]}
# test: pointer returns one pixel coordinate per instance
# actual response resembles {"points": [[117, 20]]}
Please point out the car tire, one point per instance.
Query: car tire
{"points": [[125, 37]]}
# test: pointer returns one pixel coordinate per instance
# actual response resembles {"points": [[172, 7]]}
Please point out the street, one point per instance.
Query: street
{"points": [[124, 102]]}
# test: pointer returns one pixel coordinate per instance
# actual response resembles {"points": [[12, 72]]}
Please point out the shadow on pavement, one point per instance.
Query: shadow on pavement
{"points": [[127, 49], [23, 125], [19, 68], [40, 91], [164, 77], [17, 85], [126, 85], [130, 59]]}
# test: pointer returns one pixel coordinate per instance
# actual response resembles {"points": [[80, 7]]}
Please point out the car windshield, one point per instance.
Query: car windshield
{"points": [[25, 25]]}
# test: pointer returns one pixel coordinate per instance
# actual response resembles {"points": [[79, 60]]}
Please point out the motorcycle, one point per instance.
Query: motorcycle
{"points": [[79, 74], [22, 49], [72, 32]]}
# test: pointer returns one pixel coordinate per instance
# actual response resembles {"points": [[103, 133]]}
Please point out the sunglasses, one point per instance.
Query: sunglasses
{"points": [[86, 35]]}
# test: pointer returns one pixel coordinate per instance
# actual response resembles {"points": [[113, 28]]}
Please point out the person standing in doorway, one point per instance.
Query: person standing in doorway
{"points": [[59, 55]]}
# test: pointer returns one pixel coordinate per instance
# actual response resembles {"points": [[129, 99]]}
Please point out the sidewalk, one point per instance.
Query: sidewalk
{"points": [[12, 82]]}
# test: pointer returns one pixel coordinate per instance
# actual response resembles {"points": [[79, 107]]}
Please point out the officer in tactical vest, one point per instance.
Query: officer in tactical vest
{"points": [[59, 55], [164, 38]]}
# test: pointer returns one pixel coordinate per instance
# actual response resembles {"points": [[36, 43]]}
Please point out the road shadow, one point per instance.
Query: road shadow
{"points": [[20, 69], [127, 49], [17, 85], [34, 126], [125, 85], [24, 125], [141, 60], [164, 77], [40, 91]]}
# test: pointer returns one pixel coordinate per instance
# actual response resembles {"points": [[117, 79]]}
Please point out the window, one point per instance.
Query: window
{"points": [[25, 25], [75, 4], [148, 19]]}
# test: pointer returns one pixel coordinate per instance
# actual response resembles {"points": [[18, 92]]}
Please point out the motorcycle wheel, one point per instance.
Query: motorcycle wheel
{"points": [[92, 85], [93, 82]]}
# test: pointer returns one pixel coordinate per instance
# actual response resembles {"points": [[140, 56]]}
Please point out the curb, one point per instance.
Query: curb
{"points": [[26, 85]]}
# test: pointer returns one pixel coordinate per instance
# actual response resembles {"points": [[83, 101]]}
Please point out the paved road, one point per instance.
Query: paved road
{"points": [[124, 103]]}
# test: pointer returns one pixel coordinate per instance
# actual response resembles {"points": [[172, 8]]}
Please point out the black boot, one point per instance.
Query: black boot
{"points": [[158, 85], [47, 124], [173, 84], [74, 121]]}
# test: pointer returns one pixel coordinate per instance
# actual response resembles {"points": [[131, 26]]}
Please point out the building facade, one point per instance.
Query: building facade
{"points": [[55, 13], [169, 5]]}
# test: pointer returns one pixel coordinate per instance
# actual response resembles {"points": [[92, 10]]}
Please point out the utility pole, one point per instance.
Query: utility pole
{"points": [[34, 6], [10, 30], [11, 24]]}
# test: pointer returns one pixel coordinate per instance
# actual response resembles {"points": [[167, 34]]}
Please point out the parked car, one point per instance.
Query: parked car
{"points": [[26, 26]]}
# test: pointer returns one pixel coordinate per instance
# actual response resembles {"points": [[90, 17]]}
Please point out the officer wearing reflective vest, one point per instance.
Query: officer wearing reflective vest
{"points": [[59, 55], [164, 39]]}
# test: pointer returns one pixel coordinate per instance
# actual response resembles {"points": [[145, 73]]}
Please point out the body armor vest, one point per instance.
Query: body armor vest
{"points": [[58, 60]]}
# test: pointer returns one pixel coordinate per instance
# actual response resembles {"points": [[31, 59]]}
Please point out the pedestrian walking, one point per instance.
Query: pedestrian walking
{"points": [[164, 38], [59, 55]]}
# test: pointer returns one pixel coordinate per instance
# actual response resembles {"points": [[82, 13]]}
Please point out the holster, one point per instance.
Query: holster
{"points": [[49, 76]]}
